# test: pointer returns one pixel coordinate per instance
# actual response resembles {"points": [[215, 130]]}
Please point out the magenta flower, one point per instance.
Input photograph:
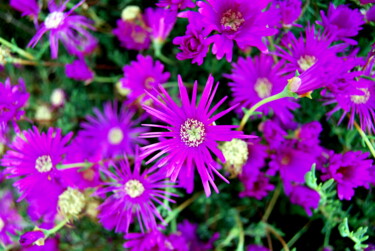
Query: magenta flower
{"points": [[12, 99], [342, 22], [10, 220], [132, 36], [161, 22], [240, 20], [30, 238], [303, 196], [134, 195], [71, 30], [193, 44], [78, 70], [357, 101], [143, 75], [350, 170], [113, 131], [289, 11], [33, 156], [192, 133], [176, 4], [27, 8], [257, 78], [254, 247]]}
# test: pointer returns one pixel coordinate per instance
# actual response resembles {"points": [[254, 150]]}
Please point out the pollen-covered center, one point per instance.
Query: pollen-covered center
{"points": [[306, 61], [134, 188], [192, 132], [263, 87], [115, 136], [232, 20], [2, 224], [43, 164], [71, 202], [54, 20], [361, 99]]}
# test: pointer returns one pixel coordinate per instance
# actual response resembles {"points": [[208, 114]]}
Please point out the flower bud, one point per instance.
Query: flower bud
{"points": [[130, 13], [35, 237], [58, 97]]}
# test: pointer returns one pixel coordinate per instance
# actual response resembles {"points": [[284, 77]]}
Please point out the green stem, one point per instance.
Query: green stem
{"points": [[16, 49], [241, 234], [272, 203], [56, 228], [74, 165], [298, 234], [365, 138], [285, 93], [102, 79]]}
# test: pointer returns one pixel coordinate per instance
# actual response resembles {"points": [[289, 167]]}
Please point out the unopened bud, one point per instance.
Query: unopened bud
{"points": [[294, 84], [130, 13], [58, 97]]}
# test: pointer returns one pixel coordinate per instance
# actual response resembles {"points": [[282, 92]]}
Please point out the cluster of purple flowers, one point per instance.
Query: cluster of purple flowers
{"points": [[135, 166]]}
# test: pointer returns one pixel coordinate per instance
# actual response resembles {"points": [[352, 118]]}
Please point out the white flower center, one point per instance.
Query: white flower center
{"points": [[192, 132], [236, 154], [361, 99], [54, 20], [134, 188], [232, 20], [306, 62], [43, 164], [71, 202], [263, 87], [115, 136], [2, 224]]}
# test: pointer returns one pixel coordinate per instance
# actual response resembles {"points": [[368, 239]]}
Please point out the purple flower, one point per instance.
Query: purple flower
{"points": [[240, 20], [191, 133], [342, 22], [302, 53], [51, 244], [350, 170], [27, 8], [257, 78], [10, 220], [370, 14], [134, 195], [12, 99], [303, 196], [358, 100], [273, 133], [193, 44], [143, 75], [78, 70], [132, 36], [113, 131], [70, 29], [188, 231], [33, 156], [255, 182], [33, 237], [161, 22], [176, 4], [289, 11], [153, 240]]}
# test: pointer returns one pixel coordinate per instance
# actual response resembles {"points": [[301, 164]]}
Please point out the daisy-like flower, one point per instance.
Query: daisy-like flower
{"points": [[27, 8], [143, 74], [289, 11], [191, 134], [256, 79], [113, 131], [12, 99], [357, 101], [33, 156], [350, 170], [10, 220], [134, 196], [302, 53], [161, 22], [78, 70], [71, 30], [342, 22], [242, 21]]}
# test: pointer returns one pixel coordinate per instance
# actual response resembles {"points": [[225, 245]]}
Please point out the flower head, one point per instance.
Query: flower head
{"points": [[12, 99], [133, 35], [161, 22], [134, 195], [10, 220], [350, 170], [113, 131], [240, 20], [191, 133], [36, 237], [257, 78], [27, 8], [289, 10], [342, 22], [78, 70], [143, 74], [69, 29]]}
